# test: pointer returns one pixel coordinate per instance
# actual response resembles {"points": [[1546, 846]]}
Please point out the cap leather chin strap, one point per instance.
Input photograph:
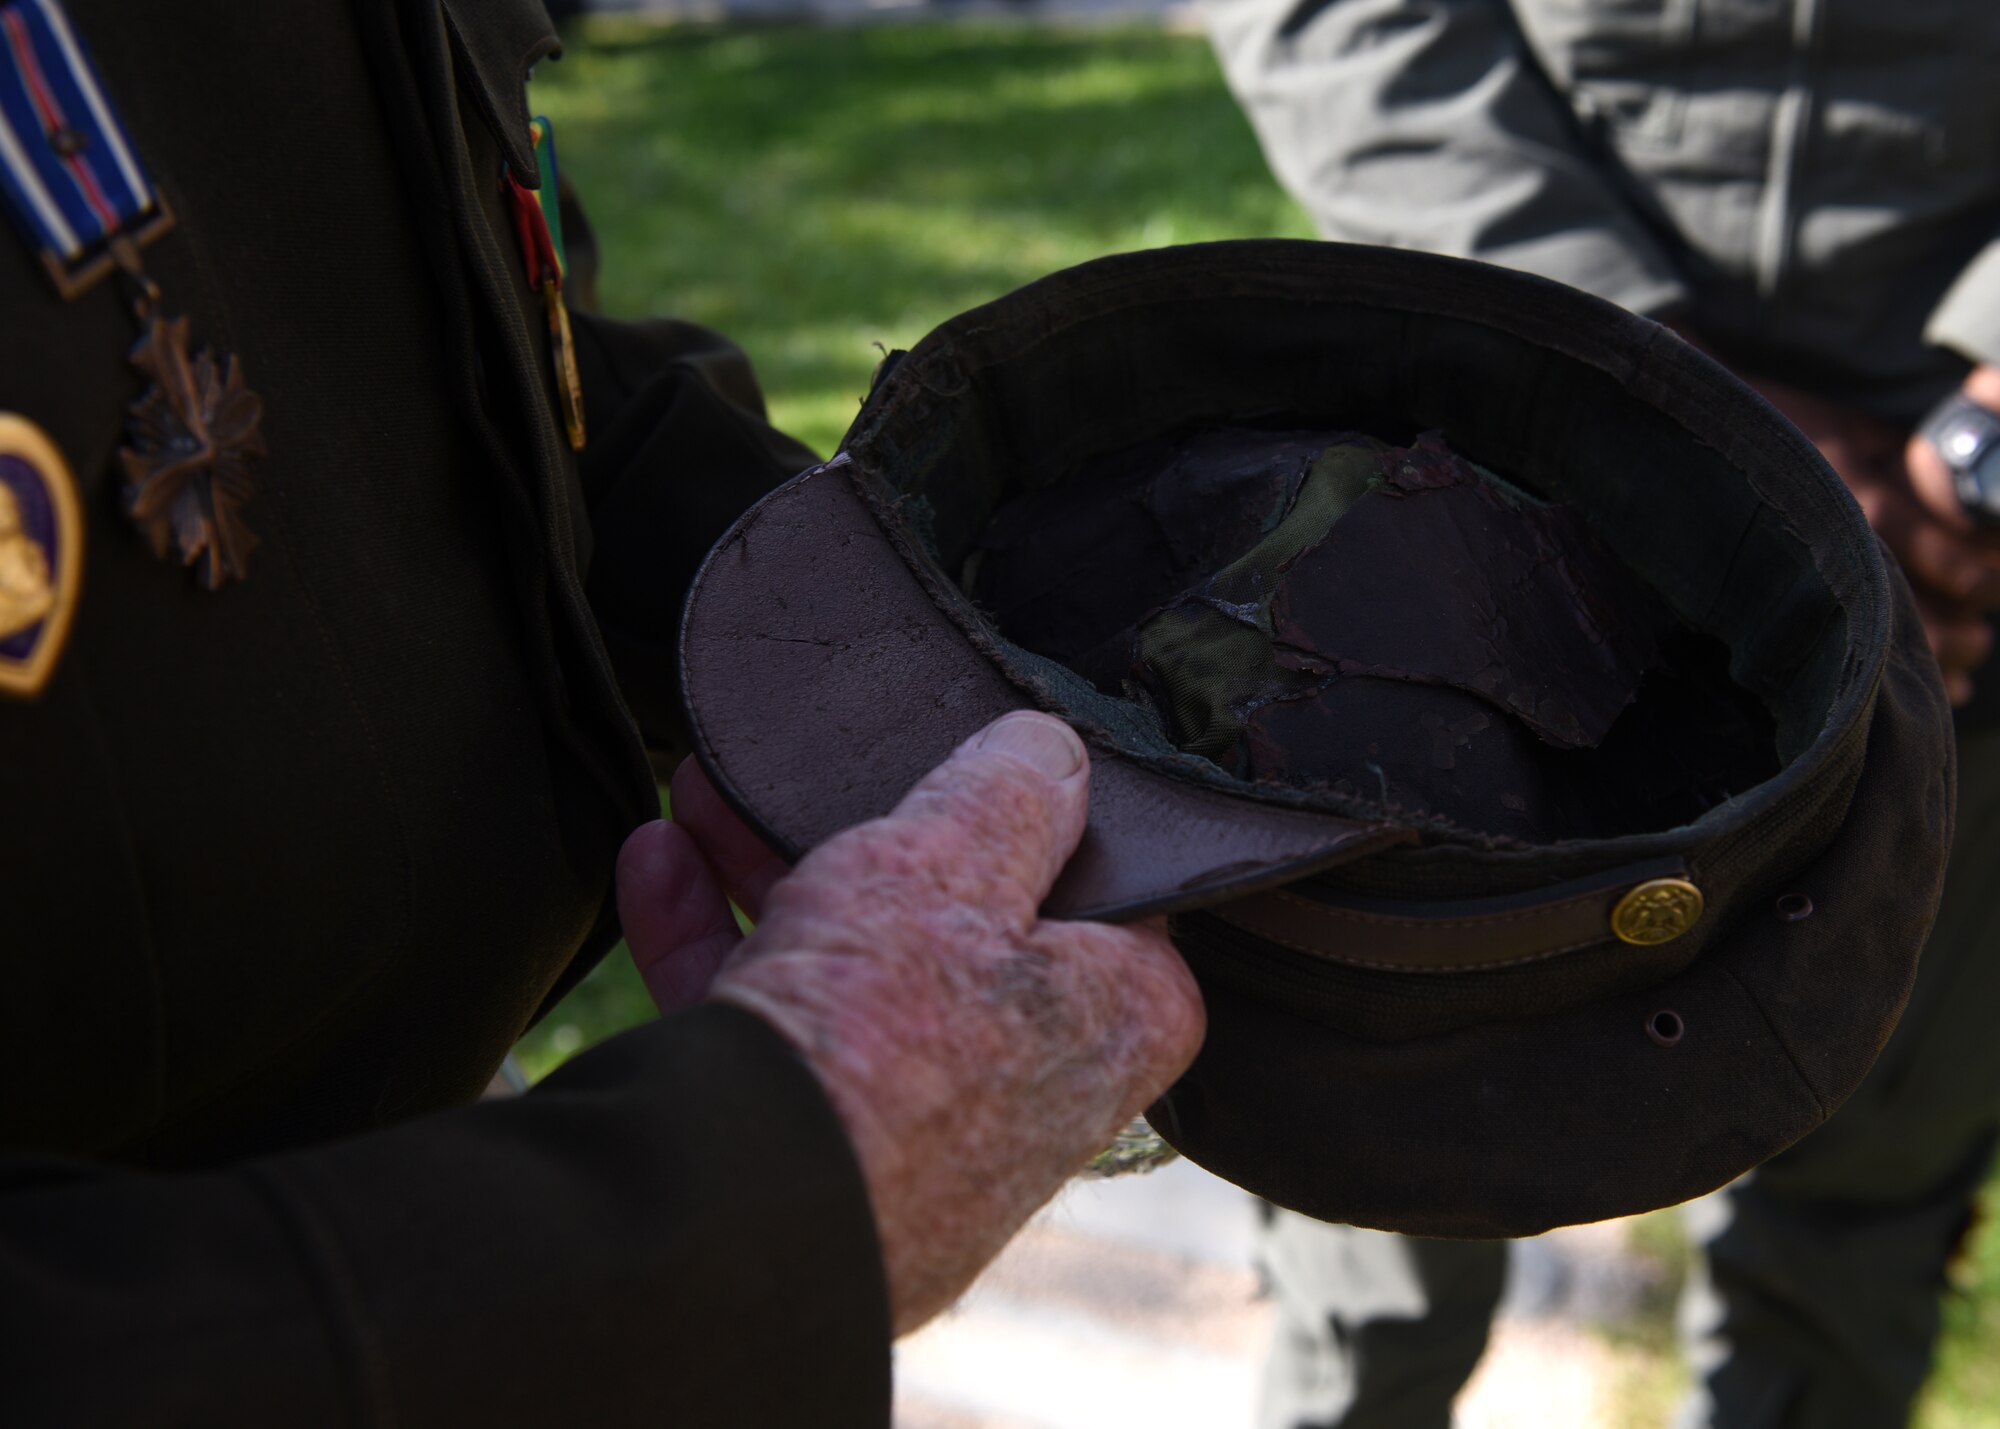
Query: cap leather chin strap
{"points": [[1641, 903]]}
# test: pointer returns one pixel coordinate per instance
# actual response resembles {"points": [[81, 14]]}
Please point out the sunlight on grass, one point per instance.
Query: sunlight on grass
{"points": [[1964, 1392], [815, 192]]}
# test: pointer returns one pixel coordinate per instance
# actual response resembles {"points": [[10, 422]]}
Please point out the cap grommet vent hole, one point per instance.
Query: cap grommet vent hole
{"points": [[1795, 907], [1665, 1027]]}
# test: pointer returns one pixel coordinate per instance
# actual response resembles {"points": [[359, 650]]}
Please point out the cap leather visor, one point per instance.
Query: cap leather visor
{"points": [[821, 683]]}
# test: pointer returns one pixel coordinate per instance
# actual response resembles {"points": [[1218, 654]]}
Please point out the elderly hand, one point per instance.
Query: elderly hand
{"points": [[976, 1053]]}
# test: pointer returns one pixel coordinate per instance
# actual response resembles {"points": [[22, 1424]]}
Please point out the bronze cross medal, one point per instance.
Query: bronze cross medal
{"points": [[191, 438]]}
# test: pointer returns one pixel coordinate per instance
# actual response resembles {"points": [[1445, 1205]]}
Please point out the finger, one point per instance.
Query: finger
{"points": [[677, 923], [1931, 479], [1982, 385], [743, 862], [1015, 796], [1933, 555], [1137, 978]]}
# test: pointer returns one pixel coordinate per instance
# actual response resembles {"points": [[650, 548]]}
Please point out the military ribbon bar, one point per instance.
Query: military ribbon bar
{"points": [[538, 226], [68, 169]]}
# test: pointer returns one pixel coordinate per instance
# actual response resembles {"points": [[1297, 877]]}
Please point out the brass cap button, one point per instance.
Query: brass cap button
{"points": [[1657, 911]]}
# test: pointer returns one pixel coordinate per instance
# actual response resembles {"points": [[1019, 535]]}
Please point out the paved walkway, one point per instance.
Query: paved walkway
{"points": [[1131, 1304]]}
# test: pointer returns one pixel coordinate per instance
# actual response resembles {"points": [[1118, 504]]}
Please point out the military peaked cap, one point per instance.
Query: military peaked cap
{"points": [[1541, 765]]}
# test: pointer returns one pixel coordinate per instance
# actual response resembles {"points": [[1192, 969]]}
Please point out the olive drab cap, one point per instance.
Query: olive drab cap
{"points": [[1541, 765]]}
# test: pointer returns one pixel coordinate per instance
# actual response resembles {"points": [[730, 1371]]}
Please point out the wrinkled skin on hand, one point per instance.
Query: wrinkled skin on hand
{"points": [[976, 1053]]}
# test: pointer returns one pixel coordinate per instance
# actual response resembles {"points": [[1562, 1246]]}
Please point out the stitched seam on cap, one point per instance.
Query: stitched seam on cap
{"points": [[1826, 1108], [1324, 956], [1336, 915]]}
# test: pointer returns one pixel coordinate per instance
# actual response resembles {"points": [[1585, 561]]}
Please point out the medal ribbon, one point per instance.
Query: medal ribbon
{"points": [[68, 169], [73, 182], [538, 227], [531, 228]]}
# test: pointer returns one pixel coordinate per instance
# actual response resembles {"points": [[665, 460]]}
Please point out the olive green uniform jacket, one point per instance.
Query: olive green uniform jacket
{"points": [[1813, 185], [285, 869]]}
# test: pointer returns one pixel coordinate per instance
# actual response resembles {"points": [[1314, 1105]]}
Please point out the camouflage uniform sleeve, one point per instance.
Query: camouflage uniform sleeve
{"points": [[1968, 320], [1426, 124]]}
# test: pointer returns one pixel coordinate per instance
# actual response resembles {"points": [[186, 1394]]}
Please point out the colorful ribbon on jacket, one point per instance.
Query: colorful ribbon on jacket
{"points": [[68, 169]]}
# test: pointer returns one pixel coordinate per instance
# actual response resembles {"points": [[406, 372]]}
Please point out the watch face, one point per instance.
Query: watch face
{"points": [[1983, 475], [1961, 441], [1967, 436]]}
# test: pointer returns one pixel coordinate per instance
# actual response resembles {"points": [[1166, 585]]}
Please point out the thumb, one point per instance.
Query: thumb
{"points": [[1012, 801]]}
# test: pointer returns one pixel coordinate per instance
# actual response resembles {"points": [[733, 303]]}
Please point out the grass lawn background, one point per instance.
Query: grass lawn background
{"points": [[822, 194]]}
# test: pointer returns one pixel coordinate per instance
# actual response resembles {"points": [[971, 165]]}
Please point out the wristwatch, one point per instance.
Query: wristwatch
{"points": [[1967, 436]]}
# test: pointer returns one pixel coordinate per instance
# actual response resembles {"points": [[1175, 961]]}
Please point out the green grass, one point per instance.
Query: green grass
{"points": [[609, 1000], [1964, 1391], [816, 192], [820, 194]]}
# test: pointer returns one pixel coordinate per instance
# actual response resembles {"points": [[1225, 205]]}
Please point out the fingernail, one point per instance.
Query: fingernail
{"points": [[1038, 739]]}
